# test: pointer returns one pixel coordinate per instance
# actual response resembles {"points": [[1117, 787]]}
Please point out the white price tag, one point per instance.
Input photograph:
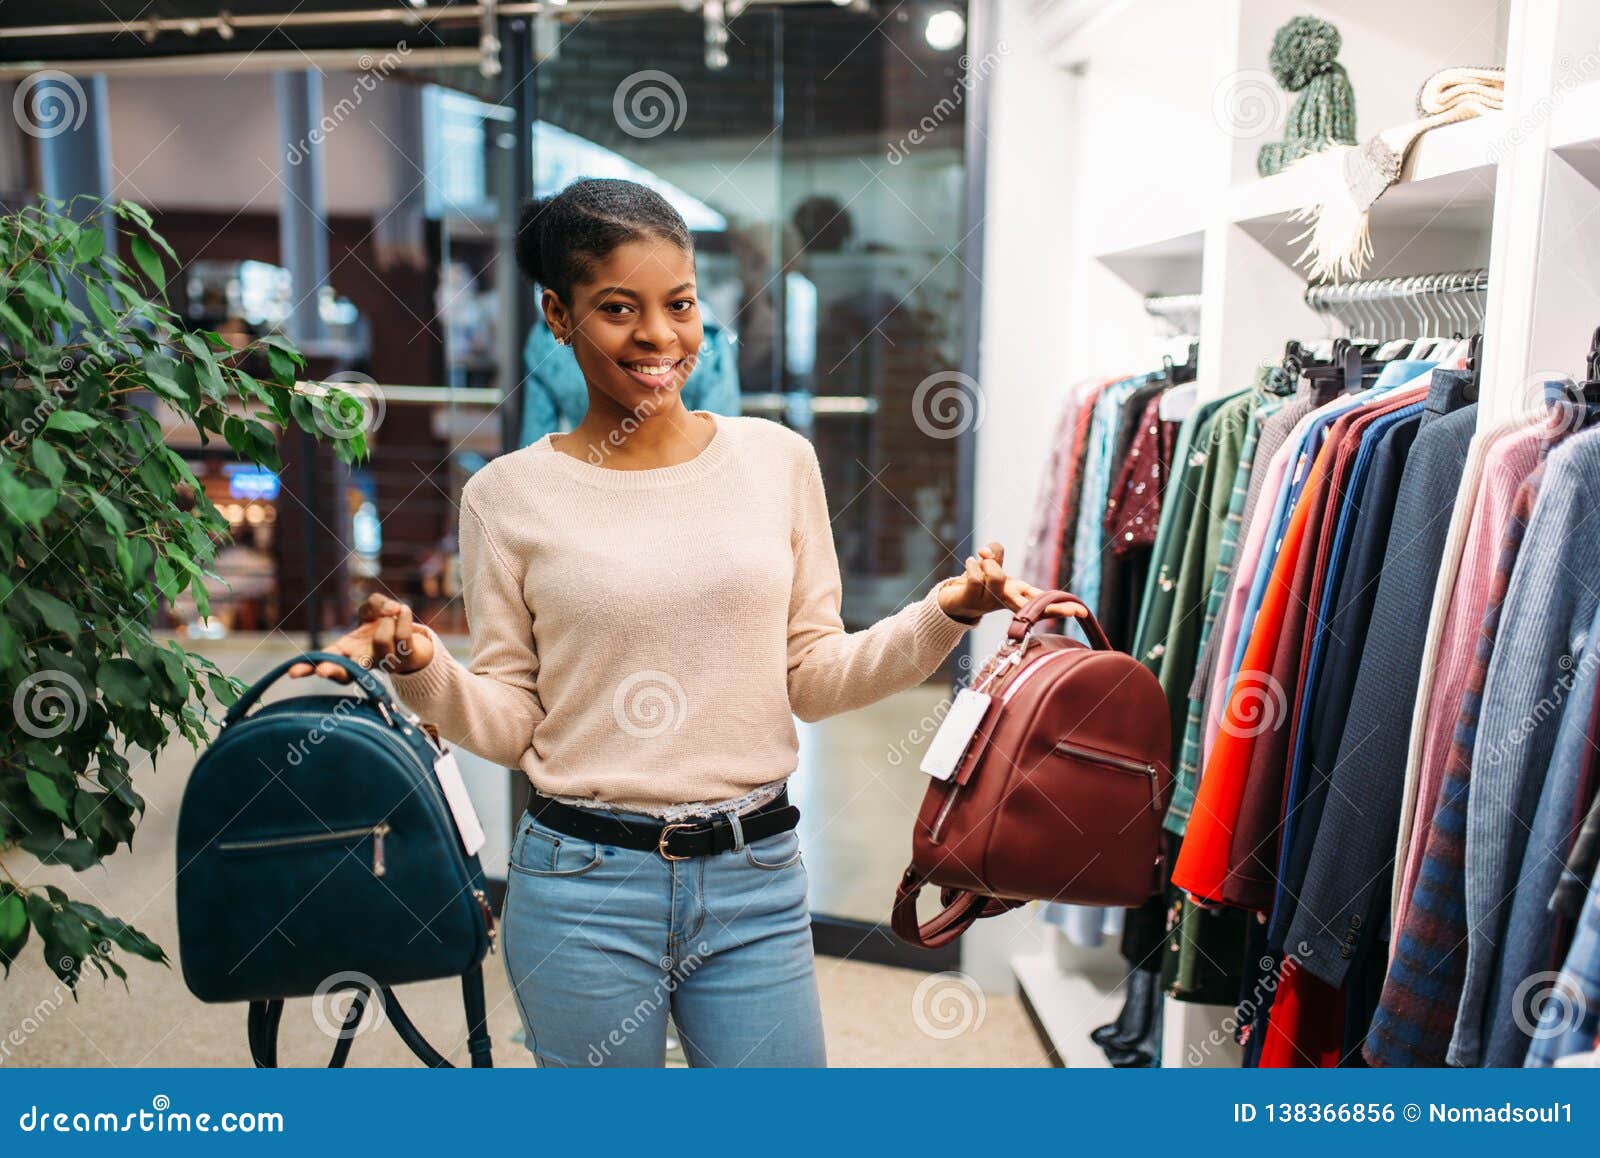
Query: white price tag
{"points": [[456, 796], [955, 734]]}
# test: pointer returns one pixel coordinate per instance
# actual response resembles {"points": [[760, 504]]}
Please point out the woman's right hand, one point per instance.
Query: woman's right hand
{"points": [[387, 638]]}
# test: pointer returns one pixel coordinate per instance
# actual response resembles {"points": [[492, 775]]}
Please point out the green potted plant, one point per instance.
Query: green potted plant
{"points": [[99, 519]]}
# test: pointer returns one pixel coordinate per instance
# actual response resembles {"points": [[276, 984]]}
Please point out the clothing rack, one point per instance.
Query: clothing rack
{"points": [[1387, 308]]}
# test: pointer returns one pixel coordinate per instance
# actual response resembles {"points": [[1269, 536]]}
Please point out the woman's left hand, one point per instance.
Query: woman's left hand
{"points": [[985, 587]]}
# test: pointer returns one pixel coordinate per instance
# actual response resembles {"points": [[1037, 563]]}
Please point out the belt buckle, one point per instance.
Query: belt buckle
{"points": [[661, 844]]}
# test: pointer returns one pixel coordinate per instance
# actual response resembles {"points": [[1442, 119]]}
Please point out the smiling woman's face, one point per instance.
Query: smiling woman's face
{"points": [[634, 324]]}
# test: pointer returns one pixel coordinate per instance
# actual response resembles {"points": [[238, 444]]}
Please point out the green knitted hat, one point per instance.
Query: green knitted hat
{"points": [[1324, 114]]}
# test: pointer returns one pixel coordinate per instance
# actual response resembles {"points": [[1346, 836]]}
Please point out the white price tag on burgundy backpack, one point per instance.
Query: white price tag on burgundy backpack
{"points": [[460, 802], [950, 742]]}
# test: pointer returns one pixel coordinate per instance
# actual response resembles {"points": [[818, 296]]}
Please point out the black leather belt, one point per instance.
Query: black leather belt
{"points": [[678, 840]]}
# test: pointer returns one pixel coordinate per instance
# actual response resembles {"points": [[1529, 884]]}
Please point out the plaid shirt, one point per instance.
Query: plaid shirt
{"points": [[1188, 770], [1569, 1020], [1417, 1011]]}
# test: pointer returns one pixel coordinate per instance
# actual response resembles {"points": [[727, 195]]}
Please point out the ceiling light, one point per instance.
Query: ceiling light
{"points": [[944, 30]]}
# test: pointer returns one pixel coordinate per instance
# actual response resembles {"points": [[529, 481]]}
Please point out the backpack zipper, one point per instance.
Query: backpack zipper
{"points": [[310, 839], [1120, 763]]}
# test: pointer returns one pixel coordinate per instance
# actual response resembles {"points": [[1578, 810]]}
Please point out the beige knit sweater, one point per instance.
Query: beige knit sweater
{"points": [[645, 638]]}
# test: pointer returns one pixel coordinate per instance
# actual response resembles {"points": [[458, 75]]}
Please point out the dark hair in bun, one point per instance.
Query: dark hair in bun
{"points": [[560, 238]]}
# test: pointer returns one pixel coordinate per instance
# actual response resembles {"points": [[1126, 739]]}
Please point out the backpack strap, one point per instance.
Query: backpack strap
{"points": [[961, 909], [264, 1016]]}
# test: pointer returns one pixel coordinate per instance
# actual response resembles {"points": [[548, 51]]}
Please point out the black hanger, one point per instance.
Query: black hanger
{"points": [[1180, 373], [1474, 367]]}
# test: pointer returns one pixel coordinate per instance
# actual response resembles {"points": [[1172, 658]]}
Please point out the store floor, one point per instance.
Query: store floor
{"points": [[850, 786]]}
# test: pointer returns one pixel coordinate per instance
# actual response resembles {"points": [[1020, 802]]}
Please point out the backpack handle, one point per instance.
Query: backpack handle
{"points": [[1033, 613], [359, 675]]}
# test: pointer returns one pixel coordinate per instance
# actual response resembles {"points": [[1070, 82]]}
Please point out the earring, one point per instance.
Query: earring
{"points": [[564, 340]]}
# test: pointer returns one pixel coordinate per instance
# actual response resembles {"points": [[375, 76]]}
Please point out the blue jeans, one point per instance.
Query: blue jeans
{"points": [[601, 942]]}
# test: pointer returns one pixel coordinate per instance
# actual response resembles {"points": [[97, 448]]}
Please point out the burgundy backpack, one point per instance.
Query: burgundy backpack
{"points": [[1060, 794]]}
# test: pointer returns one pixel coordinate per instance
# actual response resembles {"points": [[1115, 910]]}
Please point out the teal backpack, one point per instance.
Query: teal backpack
{"points": [[317, 853]]}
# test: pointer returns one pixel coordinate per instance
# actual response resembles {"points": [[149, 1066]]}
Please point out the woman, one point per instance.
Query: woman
{"points": [[653, 597]]}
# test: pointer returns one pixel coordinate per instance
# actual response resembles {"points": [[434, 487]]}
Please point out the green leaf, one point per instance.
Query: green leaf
{"points": [[125, 561], [24, 504], [57, 616], [166, 579], [108, 511], [149, 262], [14, 325], [74, 852], [123, 683], [13, 927], [89, 244], [48, 795], [48, 460], [284, 370], [71, 421], [226, 691]]}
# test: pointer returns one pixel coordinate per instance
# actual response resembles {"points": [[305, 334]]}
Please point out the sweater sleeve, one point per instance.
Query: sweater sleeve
{"points": [[490, 706], [831, 670]]}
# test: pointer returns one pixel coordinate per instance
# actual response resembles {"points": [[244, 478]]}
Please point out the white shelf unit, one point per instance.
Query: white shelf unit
{"points": [[1119, 165]]}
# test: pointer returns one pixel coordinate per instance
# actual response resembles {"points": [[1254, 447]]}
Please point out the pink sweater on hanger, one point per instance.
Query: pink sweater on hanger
{"points": [[1506, 463]]}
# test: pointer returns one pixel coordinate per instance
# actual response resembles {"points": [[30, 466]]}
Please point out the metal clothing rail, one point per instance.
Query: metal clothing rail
{"points": [[1180, 311], [224, 24], [1393, 307]]}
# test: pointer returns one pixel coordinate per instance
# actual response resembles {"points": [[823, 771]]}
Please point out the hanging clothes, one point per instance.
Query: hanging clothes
{"points": [[1542, 628], [1535, 939], [1344, 900], [1416, 1013]]}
